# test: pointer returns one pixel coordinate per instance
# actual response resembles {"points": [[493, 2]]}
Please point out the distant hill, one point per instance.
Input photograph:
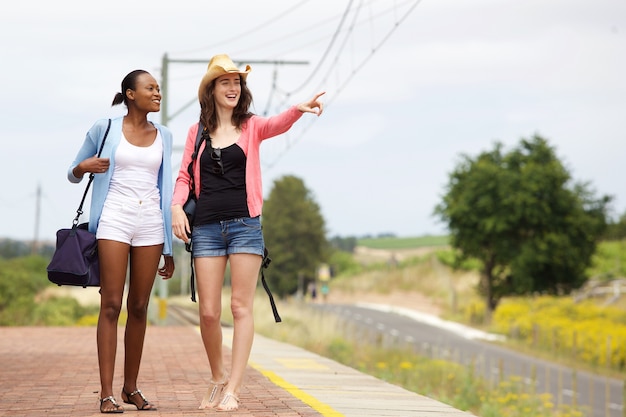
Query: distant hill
{"points": [[10, 248], [396, 249], [391, 243]]}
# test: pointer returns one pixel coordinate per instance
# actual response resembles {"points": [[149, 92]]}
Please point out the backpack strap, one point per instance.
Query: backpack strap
{"points": [[192, 280], [266, 263], [194, 155], [189, 245]]}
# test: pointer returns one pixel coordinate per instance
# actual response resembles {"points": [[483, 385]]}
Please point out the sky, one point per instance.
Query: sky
{"points": [[410, 87]]}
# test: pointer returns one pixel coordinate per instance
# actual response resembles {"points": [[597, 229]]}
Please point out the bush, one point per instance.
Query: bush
{"points": [[591, 334], [22, 280], [63, 311]]}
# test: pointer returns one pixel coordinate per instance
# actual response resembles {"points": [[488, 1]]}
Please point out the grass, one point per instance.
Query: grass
{"points": [[452, 292], [455, 294], [403, 242], [448, 382]]}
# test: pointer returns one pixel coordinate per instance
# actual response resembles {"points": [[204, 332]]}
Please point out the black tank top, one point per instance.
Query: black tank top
{"points": [[222, 196]]}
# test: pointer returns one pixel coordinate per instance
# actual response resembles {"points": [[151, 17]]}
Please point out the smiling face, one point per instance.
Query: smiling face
{"points": [[147, 94], [227, 90]]}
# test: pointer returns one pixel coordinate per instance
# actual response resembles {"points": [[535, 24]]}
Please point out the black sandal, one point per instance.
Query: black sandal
{"points": [[143, 406], [117, 410]]}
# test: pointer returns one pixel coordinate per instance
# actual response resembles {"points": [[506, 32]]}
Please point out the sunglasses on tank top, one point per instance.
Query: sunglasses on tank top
{"points": [[216, 155]]}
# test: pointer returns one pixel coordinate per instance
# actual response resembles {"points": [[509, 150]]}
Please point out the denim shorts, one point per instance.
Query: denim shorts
{"points": [[242, 235]]}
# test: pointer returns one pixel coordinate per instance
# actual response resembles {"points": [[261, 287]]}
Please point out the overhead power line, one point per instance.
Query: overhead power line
{"points": [[357, 66], [248, 32], [340, 60], [328, 49]]}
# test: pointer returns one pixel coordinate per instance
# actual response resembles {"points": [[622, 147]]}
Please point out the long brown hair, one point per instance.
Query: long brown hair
{"points": [[241, 113]]}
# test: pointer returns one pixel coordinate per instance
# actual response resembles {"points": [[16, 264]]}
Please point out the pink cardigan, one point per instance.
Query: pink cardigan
{"points": [[255, 130]]}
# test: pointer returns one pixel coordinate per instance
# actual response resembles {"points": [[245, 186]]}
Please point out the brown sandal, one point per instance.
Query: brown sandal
{"points": [[145, 405], [117, 410]]}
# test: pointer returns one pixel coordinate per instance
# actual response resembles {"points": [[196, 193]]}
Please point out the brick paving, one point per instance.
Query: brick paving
{"points": [[53, 371]]}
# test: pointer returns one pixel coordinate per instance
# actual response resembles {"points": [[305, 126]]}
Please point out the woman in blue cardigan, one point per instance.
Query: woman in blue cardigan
{"points": [[130, 214]]}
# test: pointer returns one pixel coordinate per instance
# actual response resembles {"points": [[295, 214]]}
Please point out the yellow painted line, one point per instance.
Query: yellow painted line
{"points": [[324, 409], [320, 407]]}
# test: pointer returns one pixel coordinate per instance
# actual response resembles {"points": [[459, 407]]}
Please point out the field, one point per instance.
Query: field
{"points": [[394, 243], [409, 273], [592, 319]]}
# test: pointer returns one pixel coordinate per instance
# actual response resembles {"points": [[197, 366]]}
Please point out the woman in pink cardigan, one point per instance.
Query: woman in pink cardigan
{"points": [[226, 224]]}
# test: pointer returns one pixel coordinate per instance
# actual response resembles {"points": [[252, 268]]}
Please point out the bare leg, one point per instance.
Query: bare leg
{"points": [[144, 262], [113, 264], [210, 276], [244, 275]]}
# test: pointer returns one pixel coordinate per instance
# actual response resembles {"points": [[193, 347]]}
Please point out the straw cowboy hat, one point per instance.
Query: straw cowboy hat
{"points": [[218, 66]]}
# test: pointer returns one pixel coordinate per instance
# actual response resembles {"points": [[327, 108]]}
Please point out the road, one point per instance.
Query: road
{"points": [[453, 342]]}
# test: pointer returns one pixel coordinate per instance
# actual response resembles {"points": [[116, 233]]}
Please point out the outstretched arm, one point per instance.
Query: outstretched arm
{"points": [[312, 106]]}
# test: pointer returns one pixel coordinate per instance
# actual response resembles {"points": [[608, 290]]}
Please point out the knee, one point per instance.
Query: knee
{"points": [[240, 310], [110, 311], [138, 310], [210, 318]]}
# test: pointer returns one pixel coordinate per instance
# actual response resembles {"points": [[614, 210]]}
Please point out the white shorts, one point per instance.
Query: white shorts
{"points": [[138, 223]]}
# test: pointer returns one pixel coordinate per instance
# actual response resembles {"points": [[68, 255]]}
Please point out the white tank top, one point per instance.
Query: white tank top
{"points": [[136, 172]]}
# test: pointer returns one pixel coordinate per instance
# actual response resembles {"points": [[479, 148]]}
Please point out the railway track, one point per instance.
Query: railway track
{"points": [[180, 316]]}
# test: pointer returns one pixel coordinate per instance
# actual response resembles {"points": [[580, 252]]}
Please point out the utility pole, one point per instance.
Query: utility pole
{"points": [[165, 115], [35, 245]]}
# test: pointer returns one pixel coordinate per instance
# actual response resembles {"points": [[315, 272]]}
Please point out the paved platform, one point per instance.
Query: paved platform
{"points": [[53, 371]]}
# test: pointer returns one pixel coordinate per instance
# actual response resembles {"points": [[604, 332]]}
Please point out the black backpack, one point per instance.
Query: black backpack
{"points": [[189, 246]]}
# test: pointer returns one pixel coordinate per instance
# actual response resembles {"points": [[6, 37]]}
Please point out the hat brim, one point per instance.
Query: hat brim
{"points": [[218, 71]]}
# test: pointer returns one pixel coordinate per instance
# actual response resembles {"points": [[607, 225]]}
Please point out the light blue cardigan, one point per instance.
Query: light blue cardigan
{"points": [[100, 186]]}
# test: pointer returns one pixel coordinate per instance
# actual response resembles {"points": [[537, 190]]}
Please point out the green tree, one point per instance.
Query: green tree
{"points": [[10, 248], [519, 215], [346, 244], [294, 233], [616, 230]]}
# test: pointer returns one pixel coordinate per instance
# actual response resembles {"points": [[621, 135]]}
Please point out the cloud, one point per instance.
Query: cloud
{"points": [[450, 79]]}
